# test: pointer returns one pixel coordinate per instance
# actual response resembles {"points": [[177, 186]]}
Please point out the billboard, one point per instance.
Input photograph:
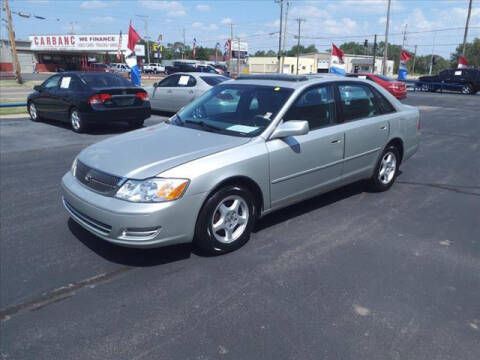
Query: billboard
{"points": [[83, 43], [239, 46]]}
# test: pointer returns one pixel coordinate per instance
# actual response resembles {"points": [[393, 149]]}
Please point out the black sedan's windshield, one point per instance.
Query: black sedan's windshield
{"points": [[235, 109]]}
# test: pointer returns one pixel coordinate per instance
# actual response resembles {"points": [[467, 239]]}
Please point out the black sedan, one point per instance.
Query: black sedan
{"points": [[85, 98]]}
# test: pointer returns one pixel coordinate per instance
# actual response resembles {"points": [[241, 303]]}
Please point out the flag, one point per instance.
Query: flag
{"points": [[402, 69], [119, 50], [462, 62], [160, 38], [194, 48], [225, 49], [337, 65], [133, 38]]}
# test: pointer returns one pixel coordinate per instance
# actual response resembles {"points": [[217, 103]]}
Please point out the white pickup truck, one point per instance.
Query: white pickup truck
{"points": [[153, 68]]}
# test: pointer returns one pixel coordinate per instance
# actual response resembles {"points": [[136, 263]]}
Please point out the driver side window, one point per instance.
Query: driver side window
{"points": [[170, 81], [315, 105], [52, 82]]}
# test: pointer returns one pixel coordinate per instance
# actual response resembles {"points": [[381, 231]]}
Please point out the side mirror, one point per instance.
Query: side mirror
{"points": [[38, 88], [290, 128]]}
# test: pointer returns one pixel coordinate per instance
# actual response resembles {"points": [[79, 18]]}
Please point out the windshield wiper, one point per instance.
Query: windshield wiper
{"points": [[203, 124]]}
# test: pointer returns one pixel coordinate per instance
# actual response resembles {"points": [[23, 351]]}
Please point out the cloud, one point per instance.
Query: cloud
{"points": [[203, 8], [202, 26], [226, 20], [102, 19], [170, 8], [93, 4]]}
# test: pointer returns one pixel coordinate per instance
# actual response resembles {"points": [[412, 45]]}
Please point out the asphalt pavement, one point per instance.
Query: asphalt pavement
{"points": [[347, 275]]}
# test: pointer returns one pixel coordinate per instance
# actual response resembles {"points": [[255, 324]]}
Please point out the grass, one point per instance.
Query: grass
{"points": [[12, 110], [13, 83]]}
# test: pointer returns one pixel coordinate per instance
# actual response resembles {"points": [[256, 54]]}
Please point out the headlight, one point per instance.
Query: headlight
{"points": [[74, 167], [152, 190]]}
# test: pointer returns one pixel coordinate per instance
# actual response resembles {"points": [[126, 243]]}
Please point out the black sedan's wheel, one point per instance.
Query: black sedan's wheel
{"points": [[386, 170], [467, 89], [78, 125], [33, 112], [135, 124], [225, 221]]}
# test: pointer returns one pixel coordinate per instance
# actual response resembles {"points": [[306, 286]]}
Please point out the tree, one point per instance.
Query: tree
{"points": [[472, 53]]}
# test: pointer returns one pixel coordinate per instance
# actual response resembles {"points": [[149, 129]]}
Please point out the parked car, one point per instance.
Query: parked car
{"points": [[396, 88], [153, 68], [207, 69], [99, 67], [177, 90], [179, 66], [245, 148], [84, 98], [222, 69], [120, 68], [466, 80]]}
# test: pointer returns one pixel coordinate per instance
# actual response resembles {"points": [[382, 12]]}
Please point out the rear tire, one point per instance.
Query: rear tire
{"points": [[386, 170], [136, 124], [468, 89], [76, 121], [225, 221]]}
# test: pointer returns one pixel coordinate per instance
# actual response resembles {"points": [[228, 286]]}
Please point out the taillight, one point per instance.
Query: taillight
{"points": [[142, 95], [99, 98]]}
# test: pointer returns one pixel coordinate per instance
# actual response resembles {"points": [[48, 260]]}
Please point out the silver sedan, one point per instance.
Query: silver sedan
{"points": [[179, 89], [245, 148]]}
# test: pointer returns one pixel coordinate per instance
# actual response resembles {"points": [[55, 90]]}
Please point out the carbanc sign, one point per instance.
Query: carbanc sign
{"points": [[81, 43]]}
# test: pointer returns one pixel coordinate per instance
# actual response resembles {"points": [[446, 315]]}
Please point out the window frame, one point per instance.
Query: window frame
{"points": [[59, 76], [339, 100], [168, 78], [336, 119]]}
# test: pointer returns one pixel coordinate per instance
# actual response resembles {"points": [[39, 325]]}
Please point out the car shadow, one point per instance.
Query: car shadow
{"points": [[94, 129]]}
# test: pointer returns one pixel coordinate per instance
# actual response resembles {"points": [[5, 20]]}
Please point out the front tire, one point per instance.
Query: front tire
{"points": [[76, 121], [33, 112], [386, 170], [468, 89], [225, 221]]}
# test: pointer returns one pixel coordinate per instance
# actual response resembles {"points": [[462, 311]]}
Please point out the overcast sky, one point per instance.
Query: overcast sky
{"points": [[327, 21]]}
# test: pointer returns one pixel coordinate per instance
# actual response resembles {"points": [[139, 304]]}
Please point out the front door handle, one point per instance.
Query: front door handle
{"points": [[336, 141], [384, 127], [191, 91]]}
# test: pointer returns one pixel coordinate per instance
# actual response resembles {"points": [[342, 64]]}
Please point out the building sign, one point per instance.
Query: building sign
{"points": [[239, 46], [83, 43]]}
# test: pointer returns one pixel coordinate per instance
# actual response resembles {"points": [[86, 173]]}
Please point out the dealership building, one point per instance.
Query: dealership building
{"points": [[49, 53]]}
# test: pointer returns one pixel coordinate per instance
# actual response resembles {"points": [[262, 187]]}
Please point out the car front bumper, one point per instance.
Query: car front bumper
{"points": [[131, 224]]}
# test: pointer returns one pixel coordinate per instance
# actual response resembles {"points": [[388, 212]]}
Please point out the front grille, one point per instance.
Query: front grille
{"points": [[97, 180], [95, 225]]}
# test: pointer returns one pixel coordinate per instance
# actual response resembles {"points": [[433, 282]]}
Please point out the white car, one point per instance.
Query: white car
{"points": [[153, 68], [120, 68]]}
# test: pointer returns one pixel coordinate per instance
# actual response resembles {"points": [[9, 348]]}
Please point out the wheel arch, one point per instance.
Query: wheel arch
{"points": [[398, 143]]}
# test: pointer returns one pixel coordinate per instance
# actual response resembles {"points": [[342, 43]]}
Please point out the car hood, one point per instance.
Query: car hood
{"points": [[152, 150]]}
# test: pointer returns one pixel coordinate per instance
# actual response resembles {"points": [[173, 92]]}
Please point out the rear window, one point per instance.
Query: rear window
{"points": [[384, 78], [104, 80], [214, 80]]}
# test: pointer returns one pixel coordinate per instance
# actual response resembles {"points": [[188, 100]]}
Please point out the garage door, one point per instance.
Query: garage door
{"points": [[25, 60]]}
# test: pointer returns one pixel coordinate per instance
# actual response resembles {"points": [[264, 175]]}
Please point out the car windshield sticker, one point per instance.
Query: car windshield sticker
{"points": [[242, 128], [65, 82], [183, 80], [267, 115], [459, 72], [362, 77]]}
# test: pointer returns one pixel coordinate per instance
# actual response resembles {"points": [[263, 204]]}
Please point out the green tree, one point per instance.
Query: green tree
{"points": [[472, 53]]}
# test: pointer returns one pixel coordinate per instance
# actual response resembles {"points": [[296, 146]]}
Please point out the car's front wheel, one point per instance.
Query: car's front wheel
{"points": [[33, 112], [386, 170], [76, 121], [225, 221], [467, 89]]}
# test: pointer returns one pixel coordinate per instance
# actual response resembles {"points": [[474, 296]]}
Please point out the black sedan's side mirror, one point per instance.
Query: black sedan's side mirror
{"points": [[38, 88]]}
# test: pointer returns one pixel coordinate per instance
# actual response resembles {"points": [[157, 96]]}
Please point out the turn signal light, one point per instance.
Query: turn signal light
{"points": [[142, 95], [99, 98]]}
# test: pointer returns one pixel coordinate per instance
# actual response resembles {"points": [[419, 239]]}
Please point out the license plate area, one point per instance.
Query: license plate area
{"points": [[123, 100]]}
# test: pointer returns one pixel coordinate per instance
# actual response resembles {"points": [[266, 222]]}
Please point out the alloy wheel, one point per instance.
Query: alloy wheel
{"points": [[230, 219], [75, 119], [388, 168], [32, 109]]}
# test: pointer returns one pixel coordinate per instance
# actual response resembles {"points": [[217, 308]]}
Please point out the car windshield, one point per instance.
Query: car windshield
{"points": [[384, 78], [234, 109], [214, 80], [104, 80]]}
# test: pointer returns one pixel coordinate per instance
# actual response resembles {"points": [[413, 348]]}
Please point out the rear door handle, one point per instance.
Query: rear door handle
{"points": [[336, 141]]}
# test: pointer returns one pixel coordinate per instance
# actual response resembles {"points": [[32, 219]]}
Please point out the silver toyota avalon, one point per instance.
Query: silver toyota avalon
{"points": [[245, 148]]}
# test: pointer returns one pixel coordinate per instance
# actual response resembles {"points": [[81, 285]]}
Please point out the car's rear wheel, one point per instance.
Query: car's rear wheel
{"points": [[76, 121], [135, 124], [386, 170], [33, 112], [225, 221], [468, 89]]}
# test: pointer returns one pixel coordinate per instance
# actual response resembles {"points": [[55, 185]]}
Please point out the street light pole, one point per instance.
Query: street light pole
{"points": [[11, 36], [299, 20], [280, 36], [385, 50], [466, 27]]}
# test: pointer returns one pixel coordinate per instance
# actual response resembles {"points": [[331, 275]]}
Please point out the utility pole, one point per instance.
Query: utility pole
{"points": [[230, 50], [414, 59], [299, 20], [72, 23], [11, 36], [466, 27], [374, 52], [280, 36], [385, 50], [184, 43], [145, 22], [433, 49], [284, 37], [238, 56]]}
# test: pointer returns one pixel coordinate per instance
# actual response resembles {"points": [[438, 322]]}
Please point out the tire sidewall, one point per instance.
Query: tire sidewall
{"points": [[30, 114], [377, 185], [204, 237], [82, 123]]}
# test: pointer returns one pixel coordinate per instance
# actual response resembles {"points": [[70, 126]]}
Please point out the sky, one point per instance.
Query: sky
{"points": [[256, 22]]}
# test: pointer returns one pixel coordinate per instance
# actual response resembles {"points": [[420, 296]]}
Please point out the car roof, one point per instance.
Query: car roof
{"points": [[197, 74], [288, 81]]}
